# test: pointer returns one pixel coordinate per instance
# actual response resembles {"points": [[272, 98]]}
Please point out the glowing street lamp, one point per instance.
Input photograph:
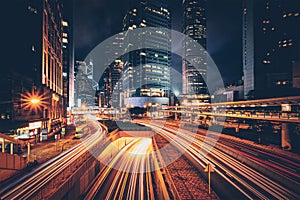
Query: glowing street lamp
{"points": [[35, 101]]}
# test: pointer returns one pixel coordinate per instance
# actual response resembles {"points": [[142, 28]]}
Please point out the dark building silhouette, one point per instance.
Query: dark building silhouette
{"points": [[271, 44], [68, 56]]}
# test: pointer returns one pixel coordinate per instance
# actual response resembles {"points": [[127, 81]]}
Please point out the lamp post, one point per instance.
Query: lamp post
{"points": [[149, 108]]}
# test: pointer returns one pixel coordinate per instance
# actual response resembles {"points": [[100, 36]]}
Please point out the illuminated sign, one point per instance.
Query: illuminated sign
{"points": [[35, 125]]}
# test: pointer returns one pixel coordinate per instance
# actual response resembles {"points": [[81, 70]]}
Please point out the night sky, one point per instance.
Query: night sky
{"points": [[96, 20]]}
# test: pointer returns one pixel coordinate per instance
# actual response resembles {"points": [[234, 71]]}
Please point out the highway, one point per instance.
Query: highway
{"points": [[35, 181], [228, 158], [129, 173], [243, 170]]}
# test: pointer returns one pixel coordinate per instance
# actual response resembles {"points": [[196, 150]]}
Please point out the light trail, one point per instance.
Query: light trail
{"points": [[251, 183], [26, 187], [129, 173]]}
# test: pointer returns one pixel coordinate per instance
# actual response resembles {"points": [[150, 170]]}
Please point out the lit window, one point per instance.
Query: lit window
{"points": [[64, 23], [31, 9], [65, 35], [65, 40], [296, 14], [284, 16]]}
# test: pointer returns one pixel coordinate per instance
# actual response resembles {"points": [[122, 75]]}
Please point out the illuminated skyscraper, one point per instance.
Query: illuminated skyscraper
{"points": [[146, 73], [271, 46], [194, 26], [110, 83], [85, 86]]}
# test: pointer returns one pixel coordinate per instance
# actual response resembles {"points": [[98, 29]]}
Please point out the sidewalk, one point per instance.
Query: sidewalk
{"points": [[44, 151], [40, 152]]}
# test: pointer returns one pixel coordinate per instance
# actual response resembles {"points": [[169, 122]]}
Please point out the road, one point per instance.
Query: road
{"points": [[229, 157], [128, 174], [33, 183]]}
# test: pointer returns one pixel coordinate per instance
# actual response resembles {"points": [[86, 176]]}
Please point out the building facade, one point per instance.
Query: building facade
{"points": [[110, 83], [146, 72], [68, 57], [32, 81], [111, 86], [271, 45], [194, 26], [85, 86]]}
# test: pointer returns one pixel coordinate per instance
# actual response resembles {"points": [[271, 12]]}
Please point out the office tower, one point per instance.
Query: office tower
{"points": [[85, 86], [194, 26], [271, 46], [146, 72], [110, 83], [32, 77], [68, 55]]}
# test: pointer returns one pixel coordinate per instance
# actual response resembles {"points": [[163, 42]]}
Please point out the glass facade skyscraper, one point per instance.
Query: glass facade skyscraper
{"points": [[146, 72], [194, 26]]}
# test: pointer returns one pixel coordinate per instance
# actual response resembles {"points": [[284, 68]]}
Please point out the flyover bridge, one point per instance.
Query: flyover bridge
{"points": [[284, 110]]}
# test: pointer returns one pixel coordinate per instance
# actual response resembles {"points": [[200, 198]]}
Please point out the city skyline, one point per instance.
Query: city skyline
{"points": [[89, 34], [111, 122]]}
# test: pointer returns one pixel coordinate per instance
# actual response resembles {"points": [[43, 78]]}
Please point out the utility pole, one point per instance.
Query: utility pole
{"points": [[209, 168]]}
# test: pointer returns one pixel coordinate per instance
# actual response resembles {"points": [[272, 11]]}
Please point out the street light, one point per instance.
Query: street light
{"points": [[149, 108], [35, 101]]}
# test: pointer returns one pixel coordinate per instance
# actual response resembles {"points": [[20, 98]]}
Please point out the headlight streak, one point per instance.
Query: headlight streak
{"points": [[134, 178], [223, 161], [42, 175]]}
